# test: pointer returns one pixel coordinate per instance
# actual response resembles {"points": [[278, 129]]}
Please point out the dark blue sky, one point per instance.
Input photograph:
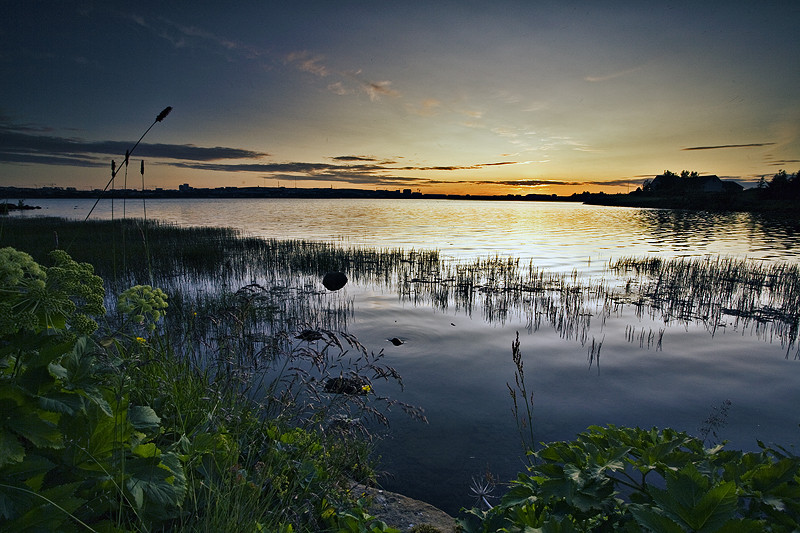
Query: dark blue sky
{"points": [[511, 97]]}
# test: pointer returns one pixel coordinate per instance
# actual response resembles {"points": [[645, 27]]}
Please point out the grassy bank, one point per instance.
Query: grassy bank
{"points": [[216, 417], [116, 426]]}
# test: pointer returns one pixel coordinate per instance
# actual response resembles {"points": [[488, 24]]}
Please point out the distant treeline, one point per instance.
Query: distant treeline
{"points": [[689, 190]]}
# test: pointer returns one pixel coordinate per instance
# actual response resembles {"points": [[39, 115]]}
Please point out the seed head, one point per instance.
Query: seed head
{"points": [[161, 116]]}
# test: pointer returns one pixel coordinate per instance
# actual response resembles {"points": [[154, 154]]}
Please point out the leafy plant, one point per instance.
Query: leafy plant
{"points": [[637, 480], [616, 478], [73, 448]]}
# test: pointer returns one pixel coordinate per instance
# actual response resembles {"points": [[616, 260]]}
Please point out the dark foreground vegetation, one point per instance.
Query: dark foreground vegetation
{"points": [[148, 411]]}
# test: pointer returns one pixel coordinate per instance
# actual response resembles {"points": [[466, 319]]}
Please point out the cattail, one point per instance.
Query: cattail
{"points": [[142, 168], [127, 155], [113, 167], [161, 116]]}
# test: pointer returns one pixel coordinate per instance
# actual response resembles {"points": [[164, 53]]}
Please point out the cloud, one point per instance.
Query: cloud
{"points": [[353, 158], [530, 183], [339, 88], [376, 89], [427, 108], [783, 162], [751, 145], [467, 167], [304, 61], [19, 147]]}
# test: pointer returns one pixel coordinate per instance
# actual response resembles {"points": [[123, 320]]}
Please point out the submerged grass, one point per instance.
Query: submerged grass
{"points": [[202, 268]]}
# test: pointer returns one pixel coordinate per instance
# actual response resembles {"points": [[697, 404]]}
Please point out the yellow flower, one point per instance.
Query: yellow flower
{"points": [[366, 388], [141, 340]]}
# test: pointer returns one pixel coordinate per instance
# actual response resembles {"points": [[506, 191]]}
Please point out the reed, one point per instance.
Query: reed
{"points": [[205, 266]]}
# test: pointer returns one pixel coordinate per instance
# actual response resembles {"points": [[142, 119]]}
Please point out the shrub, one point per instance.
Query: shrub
{"points": [[631, 479]]}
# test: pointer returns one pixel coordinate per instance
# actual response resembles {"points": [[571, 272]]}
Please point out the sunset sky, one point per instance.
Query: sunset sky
{"points": [[451, 97]]}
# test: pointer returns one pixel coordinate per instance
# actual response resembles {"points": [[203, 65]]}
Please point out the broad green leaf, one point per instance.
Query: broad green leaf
{"points": [[57, 371], [143, 418], [52, 511], [151, 480], [36, 379], [769, 476], [10, 449], [690, 499], [95, 395], [742, 526], [61, 402], [14, 500], [653, 521], [716, 507], [33, 466], [147, 450], [41, 433]]}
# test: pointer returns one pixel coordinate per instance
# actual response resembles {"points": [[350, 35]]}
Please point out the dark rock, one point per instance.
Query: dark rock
{"points": [[347, 385], [396, 341], [309, 335], [333, 281]]}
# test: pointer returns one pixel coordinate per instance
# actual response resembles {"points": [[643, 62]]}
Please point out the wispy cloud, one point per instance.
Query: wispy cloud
{"points": [[462, 167], [306, 62], [353, 158], [339, 88], [181, 36], [427, 108], [376, 89], [533, 183], [750, 145], [17, 146], [783, 163]]}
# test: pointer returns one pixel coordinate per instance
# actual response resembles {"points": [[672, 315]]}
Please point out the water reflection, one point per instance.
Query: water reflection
{"points": [[559, 236]]}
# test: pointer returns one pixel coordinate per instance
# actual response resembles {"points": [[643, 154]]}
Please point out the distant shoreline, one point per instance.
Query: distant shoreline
{"points": [[749, 200], [256, 192]]}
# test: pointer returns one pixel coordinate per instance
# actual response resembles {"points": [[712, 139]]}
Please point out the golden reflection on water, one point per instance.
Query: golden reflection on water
{"points": [[556, 235]]}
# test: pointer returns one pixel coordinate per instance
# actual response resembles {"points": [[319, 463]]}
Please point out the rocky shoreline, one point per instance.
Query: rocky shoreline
{"points": [[405, 513]]}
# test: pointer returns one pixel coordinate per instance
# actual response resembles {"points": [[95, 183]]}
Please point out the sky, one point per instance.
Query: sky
{"points": [[435, 96]]}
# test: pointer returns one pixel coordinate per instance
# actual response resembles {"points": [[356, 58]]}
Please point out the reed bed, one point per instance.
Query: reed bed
{"points": [[717, 291], [208, 271]]}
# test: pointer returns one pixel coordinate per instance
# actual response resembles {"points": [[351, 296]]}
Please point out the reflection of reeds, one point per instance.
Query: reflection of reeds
{"points": [[762, 296], [197, 266]]}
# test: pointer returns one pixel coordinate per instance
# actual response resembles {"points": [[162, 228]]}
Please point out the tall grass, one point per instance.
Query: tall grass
{"points": [[202, 268]]}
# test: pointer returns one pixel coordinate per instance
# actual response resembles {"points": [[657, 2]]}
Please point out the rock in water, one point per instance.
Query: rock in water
{"points": [[334, 281], [347, 385], [396, 341], [309, 335]]}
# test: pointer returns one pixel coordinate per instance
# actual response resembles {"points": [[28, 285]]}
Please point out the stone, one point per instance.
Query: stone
{"points": [[334, 280]]}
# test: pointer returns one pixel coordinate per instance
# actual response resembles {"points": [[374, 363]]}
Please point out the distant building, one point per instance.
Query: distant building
{"points": [[185, 187], [670, 184]]}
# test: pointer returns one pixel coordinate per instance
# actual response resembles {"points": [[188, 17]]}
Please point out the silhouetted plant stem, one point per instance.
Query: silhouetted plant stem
{"points": [[161, 116], [523, 422]]}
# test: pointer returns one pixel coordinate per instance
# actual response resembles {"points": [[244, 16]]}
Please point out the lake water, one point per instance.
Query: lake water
{"points": [[456, 359]]}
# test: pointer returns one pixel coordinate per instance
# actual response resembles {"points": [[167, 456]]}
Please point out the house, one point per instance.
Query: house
{"points": [[670, 184]]}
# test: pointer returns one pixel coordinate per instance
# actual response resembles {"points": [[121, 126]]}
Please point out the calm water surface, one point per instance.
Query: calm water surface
{"points": [[556, 235], [456, 362]]}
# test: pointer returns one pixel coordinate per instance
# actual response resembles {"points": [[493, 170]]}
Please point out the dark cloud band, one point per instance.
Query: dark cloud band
{"points": [[751, 145]]}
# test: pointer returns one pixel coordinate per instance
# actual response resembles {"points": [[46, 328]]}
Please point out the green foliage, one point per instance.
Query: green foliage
{"points": [[73, 449], [144, 305], [357, 520], [62, 298], [615, 478], [120, 433]]}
